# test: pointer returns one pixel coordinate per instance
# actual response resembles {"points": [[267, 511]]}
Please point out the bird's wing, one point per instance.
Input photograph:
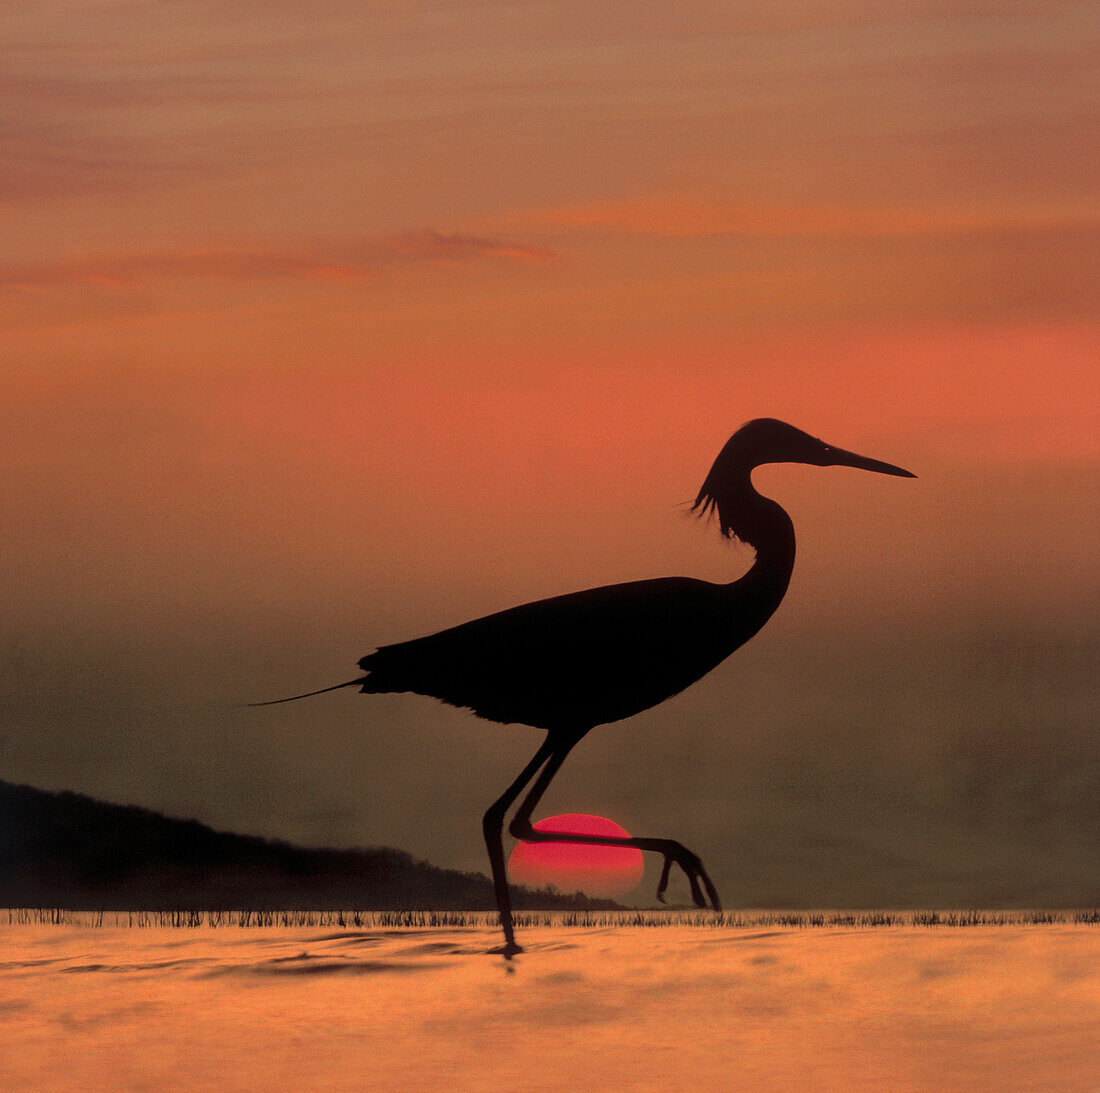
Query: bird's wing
{"points": [[582, 659]]}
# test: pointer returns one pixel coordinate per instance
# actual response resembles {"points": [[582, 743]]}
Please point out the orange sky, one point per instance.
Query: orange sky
{"points": [[323, 327]]}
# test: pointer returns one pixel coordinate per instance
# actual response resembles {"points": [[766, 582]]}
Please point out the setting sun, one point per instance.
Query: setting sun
{"points": [[601, 871]]}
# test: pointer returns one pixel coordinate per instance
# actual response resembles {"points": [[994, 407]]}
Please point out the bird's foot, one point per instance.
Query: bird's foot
{"points": [[695, 873], [507, 950]]}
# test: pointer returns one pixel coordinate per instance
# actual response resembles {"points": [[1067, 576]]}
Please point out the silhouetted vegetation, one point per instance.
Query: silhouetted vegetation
{"points": [[416, 920], [67, 850]]}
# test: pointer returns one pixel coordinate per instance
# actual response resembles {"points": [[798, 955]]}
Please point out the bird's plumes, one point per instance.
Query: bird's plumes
{"points": [[309, 694], [705, 505]]}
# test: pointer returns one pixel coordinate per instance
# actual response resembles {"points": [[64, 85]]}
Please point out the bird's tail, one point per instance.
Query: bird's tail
{"points": [[310, 694]]}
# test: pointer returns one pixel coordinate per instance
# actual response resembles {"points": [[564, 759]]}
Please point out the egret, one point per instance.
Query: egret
{"points": [[569, 663]]}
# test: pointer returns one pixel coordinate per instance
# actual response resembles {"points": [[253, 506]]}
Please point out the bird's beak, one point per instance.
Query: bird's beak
{"points": [[838, 457]]}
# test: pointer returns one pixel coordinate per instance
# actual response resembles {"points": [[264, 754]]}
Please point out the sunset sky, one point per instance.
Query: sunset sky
{"points": [[324, 326]]}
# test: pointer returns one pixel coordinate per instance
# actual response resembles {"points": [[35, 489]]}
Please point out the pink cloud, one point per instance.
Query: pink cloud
{"points": [[362, 261]]}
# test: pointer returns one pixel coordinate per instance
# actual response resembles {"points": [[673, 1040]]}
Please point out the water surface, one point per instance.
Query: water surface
{"points": [[623, 1008]]}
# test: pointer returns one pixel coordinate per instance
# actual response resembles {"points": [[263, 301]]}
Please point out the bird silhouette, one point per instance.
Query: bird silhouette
{"points": [[569, 663]]}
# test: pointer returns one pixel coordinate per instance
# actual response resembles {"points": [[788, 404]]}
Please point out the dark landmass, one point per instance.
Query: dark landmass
{"points": [[68, 850]]}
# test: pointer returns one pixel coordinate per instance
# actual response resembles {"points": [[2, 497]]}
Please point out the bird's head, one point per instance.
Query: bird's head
{"points": [[766, 440]]}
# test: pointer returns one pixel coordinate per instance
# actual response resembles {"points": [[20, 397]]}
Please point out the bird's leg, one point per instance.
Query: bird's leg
{"points": [[521, 828], [492, 825]]}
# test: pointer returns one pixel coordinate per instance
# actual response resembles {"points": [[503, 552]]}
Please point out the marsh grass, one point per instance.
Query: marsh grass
{"points": [[383, 920]]}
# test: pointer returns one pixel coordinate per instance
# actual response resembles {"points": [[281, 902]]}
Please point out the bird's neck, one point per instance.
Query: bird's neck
{"points": [[768, 529]]}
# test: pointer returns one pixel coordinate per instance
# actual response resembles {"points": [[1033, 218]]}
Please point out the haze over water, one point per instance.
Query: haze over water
{"points": [[325, 327]]}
